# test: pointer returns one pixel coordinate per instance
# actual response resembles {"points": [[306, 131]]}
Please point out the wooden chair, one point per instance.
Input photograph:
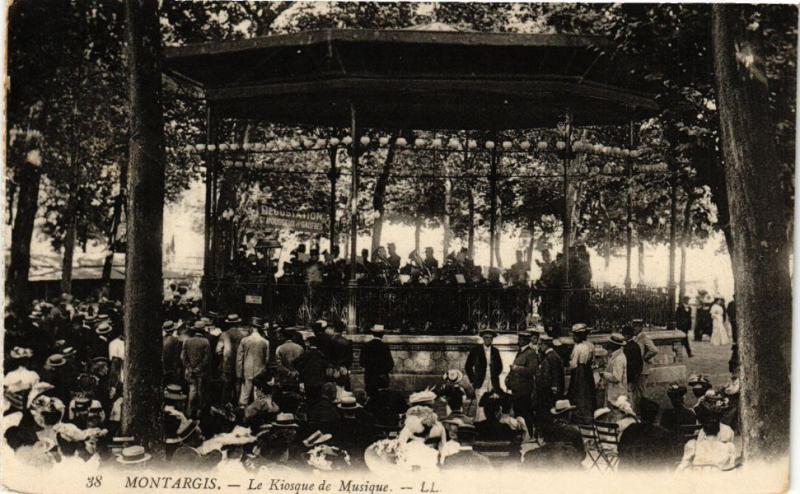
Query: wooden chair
{"points": [[505, 451], [608, 441]]}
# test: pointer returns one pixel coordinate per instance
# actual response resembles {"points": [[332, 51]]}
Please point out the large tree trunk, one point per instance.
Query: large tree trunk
{"points": [[686, 231], [758, 227], [72, 219], [143, 391], [17, 286], [379, 196]]}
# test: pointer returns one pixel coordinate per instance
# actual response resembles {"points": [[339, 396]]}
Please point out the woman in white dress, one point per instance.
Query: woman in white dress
{"points": [[719, 333]]}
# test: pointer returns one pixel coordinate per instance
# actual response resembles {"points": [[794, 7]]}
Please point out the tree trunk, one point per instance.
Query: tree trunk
{"points": [[471, 226], [640, 259], [417, 232], [498, 235], [143, 392], [17, 286], [686, 231], [529, 250], [379, 196], [72, 220], [758, 228]]}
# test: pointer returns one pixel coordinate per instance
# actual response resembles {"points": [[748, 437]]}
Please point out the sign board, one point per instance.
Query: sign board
{"points": [[253, 299], [270, 218]]}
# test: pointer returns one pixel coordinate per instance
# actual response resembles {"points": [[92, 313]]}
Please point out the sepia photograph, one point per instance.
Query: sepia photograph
{"points": [[397, 247]]}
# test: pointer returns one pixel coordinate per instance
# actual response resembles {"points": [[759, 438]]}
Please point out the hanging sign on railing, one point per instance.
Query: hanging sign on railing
{"points": [[268, 217]]}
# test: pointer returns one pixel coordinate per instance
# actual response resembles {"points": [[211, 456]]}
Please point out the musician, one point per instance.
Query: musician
{"points": [[382, 267], [394, 259], [430, 262]]}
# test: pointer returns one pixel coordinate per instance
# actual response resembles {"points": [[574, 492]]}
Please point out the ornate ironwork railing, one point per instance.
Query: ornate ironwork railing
{"points": [[440, 309]]}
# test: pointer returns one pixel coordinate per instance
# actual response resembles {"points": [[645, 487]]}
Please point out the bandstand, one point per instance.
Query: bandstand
{"points": [[364, 85]]}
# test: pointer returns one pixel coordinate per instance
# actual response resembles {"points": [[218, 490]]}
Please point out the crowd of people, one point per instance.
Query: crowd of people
{"points": [[251, 395]]}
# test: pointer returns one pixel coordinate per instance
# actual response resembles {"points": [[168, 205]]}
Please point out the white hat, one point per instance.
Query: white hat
{"points": [[421, 397], [562, 406]]}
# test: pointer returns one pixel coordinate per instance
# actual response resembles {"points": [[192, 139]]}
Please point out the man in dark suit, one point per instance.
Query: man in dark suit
{"points": [[342, 350], [683, 322], [520, 379], [173, 366], [549, 381], [376, 360], [312, 366], [483, 367], [635, 366]]}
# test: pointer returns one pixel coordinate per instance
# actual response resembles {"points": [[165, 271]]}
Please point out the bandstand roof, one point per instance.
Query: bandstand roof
{"points": [[415, 79]]}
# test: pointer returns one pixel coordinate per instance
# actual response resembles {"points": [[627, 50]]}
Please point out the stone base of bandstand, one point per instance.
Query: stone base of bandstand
{"points": [[422, 360]]}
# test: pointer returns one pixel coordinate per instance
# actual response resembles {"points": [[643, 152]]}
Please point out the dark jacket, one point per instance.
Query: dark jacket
{"points": [[683, 319], [324, 415], [633, 355], [551, 374], [520, 379], [173, 367], [376, 359], [312, 366], [196, 356], [386, 405], [476, 366], [342, 350]]}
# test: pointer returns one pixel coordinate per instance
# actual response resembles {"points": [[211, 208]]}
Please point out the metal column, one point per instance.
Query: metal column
{"points": [[352, 287], [566, 221]]}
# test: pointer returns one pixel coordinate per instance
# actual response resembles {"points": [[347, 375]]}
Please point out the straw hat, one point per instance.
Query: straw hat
{"points": [[487, 331], [348, 403], [562, 406], [285, 420], [453, 376], [103, 328], [133, 455], [233, 319], [617, 339], [19, 352], [377, 328], [580, 328]]}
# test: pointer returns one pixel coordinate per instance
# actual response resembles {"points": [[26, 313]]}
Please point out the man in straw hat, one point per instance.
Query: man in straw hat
{"points": [[227, 351], [615, 376], [376, 359], [196, 358], [483, 367], [171, 354], [252, 357]]}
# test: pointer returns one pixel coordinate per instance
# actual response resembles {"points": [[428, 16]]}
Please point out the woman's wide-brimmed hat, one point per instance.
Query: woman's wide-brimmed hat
{"points": [[20, 352], [453, 376], [617, 339], [132, 455]]}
